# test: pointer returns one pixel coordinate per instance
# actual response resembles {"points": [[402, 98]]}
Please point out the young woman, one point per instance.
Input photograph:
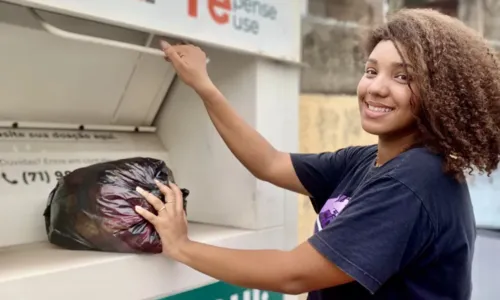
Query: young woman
{"points": [[395, 219]]}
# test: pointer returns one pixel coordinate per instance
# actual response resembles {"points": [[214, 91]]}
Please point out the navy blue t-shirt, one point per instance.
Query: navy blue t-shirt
{"points": [[403, 231]]}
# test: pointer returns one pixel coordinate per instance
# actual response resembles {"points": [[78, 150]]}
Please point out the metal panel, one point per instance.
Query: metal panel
{"points": [[268, 28]]}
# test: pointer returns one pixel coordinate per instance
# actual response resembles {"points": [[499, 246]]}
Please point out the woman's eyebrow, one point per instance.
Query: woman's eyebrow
{"points": [[403, 65], [394, 64]]}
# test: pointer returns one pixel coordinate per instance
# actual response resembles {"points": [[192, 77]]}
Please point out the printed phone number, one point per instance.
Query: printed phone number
{"points": [[31, 177]]}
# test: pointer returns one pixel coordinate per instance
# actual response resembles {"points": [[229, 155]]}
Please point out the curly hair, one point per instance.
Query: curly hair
{"points": [[457, 76]]}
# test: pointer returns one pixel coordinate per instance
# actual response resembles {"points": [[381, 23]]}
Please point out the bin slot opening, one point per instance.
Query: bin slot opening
{"points": [[88, 73]]}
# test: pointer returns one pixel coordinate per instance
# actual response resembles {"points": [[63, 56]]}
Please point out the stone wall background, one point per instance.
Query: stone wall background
{"points": [[332, 32]]}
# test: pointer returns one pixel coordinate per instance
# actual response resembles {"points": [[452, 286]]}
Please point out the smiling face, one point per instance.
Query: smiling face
{"points": [[384, 95]]}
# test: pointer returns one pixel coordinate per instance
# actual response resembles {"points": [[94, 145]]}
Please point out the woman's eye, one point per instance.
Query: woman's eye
{"points": [[370, 72], [403, 77]]}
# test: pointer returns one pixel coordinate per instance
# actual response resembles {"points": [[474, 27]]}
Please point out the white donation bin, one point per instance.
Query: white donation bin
{"points": [[84, 81]]}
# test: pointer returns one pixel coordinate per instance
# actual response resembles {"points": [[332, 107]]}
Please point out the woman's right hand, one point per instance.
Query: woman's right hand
{"points": [[190, 63]]}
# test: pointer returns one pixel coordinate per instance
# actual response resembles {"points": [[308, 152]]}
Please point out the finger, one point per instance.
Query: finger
{"points": [[169, 194], [179, 207], [146, 214], [188, 49], [152, 199], [171, 53], [184, 47]]}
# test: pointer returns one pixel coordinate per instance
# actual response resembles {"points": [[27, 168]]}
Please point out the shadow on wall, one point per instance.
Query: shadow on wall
{"points": [[326, 123]]}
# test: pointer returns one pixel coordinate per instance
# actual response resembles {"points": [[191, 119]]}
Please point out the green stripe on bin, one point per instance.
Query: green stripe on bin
{"points": [[223, 291]]}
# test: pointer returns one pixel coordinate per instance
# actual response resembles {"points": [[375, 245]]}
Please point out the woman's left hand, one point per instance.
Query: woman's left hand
{"points": [[171, 222]]}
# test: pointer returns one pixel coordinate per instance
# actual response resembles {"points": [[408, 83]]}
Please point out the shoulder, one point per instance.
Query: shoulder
{"points": [[321, 173], [421, 171], [356, 155], [442, 195], [360, 152], [345, 157]]}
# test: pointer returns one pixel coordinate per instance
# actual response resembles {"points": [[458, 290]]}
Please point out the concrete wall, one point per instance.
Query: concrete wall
{"points": [[332, 33], [333, 29], [365, 12], [482, 15]]}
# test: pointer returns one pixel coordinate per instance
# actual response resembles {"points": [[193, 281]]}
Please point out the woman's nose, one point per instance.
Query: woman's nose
{"points": [[379, 86]]}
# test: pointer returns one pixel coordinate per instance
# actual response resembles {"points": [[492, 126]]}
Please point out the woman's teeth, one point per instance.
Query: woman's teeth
{"points": [[379, 109]]}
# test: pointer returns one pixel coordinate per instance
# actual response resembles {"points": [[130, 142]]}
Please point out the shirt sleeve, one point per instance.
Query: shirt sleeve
{"points": [[382, 229], [320, 173]]}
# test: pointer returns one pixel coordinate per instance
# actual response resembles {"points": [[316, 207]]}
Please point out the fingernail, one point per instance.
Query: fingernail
{"points": [[164, 44], [140, 190], [157, 181], [138, 208]]}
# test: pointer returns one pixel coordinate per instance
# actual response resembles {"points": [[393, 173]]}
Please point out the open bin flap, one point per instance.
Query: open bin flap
{"points": [[70, 70]]}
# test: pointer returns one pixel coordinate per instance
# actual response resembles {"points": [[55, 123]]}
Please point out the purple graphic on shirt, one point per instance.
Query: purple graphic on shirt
{"points": [[330, 211]]}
